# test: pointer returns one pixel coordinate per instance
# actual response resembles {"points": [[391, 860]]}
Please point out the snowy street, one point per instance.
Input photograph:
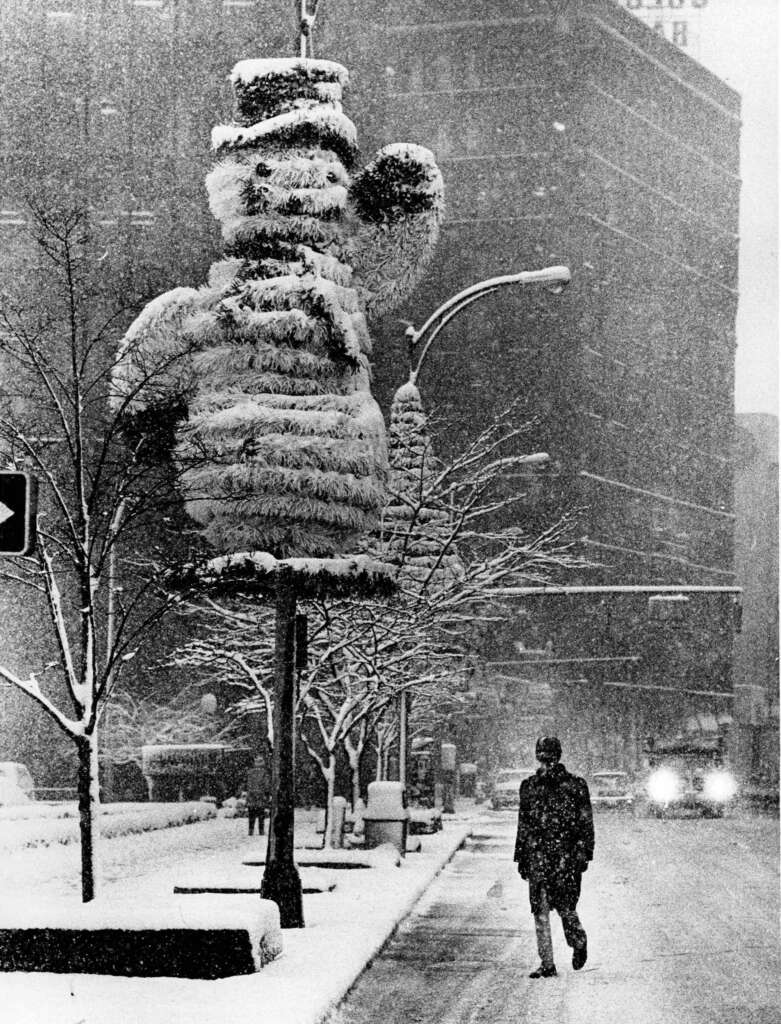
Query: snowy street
{"points": [[682, 918]]}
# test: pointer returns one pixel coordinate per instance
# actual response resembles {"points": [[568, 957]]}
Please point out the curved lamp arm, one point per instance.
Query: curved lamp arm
{"points": [[554, 278]]}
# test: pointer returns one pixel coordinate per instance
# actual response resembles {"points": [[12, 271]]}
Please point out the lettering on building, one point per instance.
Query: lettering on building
{"points": [[678, 21]]}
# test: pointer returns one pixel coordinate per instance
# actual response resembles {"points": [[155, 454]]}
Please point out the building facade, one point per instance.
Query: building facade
{"points": [[572, 133], [756, 562], [568, 133]]}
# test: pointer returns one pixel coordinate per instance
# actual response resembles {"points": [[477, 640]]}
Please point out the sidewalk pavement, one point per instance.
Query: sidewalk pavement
{"points": [[344, 929]]}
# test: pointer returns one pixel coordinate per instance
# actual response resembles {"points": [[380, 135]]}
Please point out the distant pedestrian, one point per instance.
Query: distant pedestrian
{"points": [[257, 796], [553, 847]]}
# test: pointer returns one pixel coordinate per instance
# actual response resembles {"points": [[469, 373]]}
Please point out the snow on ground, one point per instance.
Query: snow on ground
{"points": [[58, 823], [344, 929]]}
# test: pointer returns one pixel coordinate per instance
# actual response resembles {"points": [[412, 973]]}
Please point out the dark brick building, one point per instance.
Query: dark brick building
{"points": [[567, 132], [570, 133]]}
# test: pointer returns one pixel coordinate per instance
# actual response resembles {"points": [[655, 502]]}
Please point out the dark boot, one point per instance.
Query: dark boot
{"points": [[544, 972], [579, 956]]}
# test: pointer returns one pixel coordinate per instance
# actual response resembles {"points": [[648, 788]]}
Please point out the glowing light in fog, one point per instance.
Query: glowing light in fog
{"points": [[664, 785], [720, 786]]}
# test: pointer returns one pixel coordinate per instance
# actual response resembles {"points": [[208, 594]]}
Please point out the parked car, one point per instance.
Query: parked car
{"points": [[505, 786], [424, 820], [16, 783], [611, 790]]}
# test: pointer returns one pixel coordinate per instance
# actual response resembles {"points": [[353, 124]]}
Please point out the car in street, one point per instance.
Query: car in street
{"points": [[424, 820], [611, 791], [505, 787], [689, 776]]}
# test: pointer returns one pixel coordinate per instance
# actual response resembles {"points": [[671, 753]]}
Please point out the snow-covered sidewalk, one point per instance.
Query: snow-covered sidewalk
{"points": [[344, 929]]}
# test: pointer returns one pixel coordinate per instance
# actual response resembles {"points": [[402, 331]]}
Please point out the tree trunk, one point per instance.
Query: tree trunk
{"points": [[354, 753], [355, 776], [330, 780], [89, 808]]}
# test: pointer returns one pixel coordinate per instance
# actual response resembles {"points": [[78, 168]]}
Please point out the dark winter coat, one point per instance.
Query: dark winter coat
{"points": [[555, 839], [257, 788]]}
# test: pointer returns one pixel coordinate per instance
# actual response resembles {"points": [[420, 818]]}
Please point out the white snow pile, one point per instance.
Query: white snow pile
{"points": [[312, 577], [260, 918], [385, 802], [11, 794], [246, 71], [144, 818], [262, 561]]}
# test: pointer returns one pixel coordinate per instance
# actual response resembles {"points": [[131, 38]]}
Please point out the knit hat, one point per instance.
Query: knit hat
{"points": [[548, 749]]}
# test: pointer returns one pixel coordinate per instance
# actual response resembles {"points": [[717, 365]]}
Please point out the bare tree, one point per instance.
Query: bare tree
{"points": [[58, 346], [360, 663], [234, 653], [133, 721]]}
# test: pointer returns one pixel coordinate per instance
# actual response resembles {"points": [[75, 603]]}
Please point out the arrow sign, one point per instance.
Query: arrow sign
{"points": [[18, 506]]}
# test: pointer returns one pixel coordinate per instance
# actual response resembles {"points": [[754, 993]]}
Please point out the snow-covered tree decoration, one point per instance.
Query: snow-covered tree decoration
{"points": [[416, 531], [265, 370]]}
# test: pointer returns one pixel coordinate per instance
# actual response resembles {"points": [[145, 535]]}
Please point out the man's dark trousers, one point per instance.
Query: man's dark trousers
{"points": [[256, 814]]}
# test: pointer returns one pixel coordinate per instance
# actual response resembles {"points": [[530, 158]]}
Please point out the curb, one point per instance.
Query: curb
{"points": [[460, 836]]}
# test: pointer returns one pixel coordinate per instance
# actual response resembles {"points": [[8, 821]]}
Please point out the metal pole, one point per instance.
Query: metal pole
{"points": [[281, 882], [111, 629], [555, 279]]}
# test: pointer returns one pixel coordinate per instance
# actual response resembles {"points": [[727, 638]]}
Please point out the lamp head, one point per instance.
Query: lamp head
{"points": [[560, 277]]}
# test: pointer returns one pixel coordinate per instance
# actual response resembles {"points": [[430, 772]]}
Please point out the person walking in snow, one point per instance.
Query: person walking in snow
{"points": [[257, 796], [553, 847]]}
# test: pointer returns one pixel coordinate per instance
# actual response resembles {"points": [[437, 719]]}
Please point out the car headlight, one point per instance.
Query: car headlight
{"points": [[664, 785], [719, 786]]}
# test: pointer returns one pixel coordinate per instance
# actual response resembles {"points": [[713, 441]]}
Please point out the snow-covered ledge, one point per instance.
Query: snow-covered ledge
{"points": [[256, 571], [199, 937]]}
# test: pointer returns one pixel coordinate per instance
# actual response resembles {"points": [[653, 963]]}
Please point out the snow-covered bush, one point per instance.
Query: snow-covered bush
{"points": [[233, 807], [65, 830], [40, 810]]}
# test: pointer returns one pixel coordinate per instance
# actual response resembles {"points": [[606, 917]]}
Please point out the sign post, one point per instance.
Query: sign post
{"points": [[18, 507]]}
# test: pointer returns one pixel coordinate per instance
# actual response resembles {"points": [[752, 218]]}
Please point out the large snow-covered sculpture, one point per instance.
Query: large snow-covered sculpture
{"points": [[279, 442]]}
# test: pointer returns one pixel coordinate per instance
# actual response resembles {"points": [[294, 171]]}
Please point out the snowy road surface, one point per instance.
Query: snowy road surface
{"points": [[682, 918]]}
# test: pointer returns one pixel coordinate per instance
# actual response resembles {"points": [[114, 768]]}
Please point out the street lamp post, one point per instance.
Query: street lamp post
{"points": [[281, 881], [555, 279]]}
